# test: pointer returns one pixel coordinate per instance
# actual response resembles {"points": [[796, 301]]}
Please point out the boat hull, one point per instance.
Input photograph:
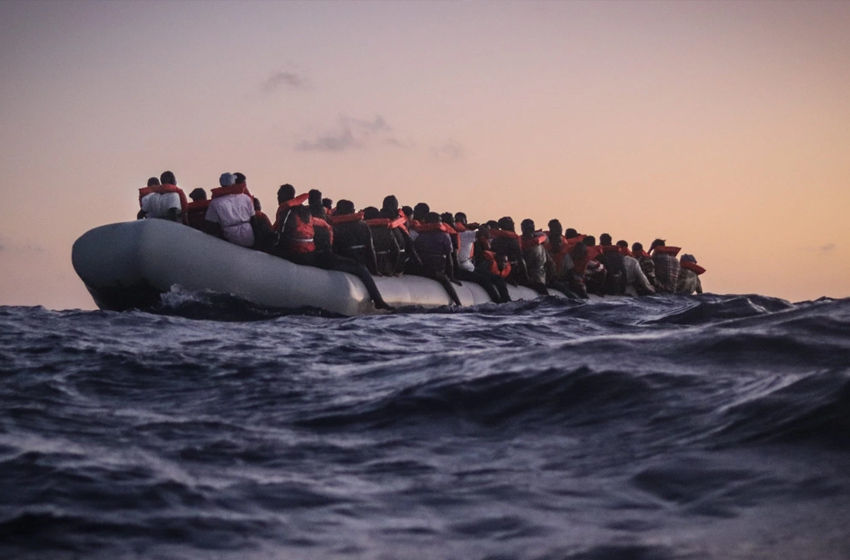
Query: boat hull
{"points": [[129, 265]]}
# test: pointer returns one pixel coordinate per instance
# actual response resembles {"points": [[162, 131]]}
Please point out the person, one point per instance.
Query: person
{"points": [[197, 209], [537, 261], [637, 284], [417, 218], [495, 269], [352, 236], [386, 243], [163, 199], [689, 281], [231, 209], [262, 226], [563, 276], [461, 241], [646, 264], [434, 247], [401, 232], [666, 266], [615, 279], [466, 239], [505, 241]]}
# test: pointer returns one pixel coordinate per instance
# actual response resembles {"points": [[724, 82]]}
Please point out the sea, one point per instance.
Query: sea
{"points": [[661, 427]]}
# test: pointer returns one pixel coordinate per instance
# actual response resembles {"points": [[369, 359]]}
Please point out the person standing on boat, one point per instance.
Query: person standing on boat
{"points": [[231, 209], [163, 200]]}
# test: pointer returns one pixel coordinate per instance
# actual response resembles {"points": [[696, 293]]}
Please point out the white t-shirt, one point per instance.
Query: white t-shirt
{"points": [[156, 205], [464, 252], [234, 213]]}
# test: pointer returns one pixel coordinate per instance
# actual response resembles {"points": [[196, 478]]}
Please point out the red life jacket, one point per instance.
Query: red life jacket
{"points": [[642, 253], [581, 264], [318, 222], [538, 238], [490, 257], [299, 237], [262, 216], [672, 251], [162, 189], [238, 188], [558, 257], [692, 266], [286, 205], [196, 213], [386, 222], [503, 233], [338, 219]]}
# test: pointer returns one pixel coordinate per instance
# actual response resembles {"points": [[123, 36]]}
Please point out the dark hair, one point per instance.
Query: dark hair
{"points": [[257, 205], [168, 178], [506, 223], [327, 203], [570, 233], [371, 213], [198, 194], [432, 218], [493, 224], [590, 241], [421, 209], [447, 218], [314, 197], [153, 181], [555, 227], [286, 192], [637, 247], [657, 243], [460, 217], [238, 178], [623, 243], [407, 210], [527, 225], [390, 205], [344, 207], [605, 239]]}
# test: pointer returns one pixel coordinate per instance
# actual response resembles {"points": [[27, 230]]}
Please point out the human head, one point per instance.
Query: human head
{"points": [[590, 241], [257, 206], [483, 231], [527, 226], [420, 211], [448, 218], [688, 258], [506, 223], [657, 243], [238, 178], [570, 233], [227, 179], [555, 227], [344, 207], [407, 211], [492, 224], [198, 194], [460, 218], [328, 203], [637, 248], [371, 213], [285, 192], [390, 205], [433, 218], [153, 182], [168, 178], [605, 240], [623, 244], [314, 197]]}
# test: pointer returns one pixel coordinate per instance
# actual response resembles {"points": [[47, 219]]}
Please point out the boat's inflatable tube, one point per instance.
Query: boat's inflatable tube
{"points": [[128, 265]]}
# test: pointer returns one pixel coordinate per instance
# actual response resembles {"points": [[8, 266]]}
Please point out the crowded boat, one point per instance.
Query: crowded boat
{"points": [[395, 240]]}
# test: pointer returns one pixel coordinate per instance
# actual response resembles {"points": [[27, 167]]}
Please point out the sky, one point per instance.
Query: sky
{"points": [[722, 127]]}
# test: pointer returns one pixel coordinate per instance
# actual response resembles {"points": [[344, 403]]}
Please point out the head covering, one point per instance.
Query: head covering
{"points": [[226, 180], [688, 258]]}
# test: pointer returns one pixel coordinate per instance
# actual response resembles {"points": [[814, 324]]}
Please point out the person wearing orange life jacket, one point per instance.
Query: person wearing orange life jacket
{"points": [[434, 247], [615, 280], [352, 236], [391, 211], [505, 241], [563, 276], [667, 267], [487, 264], [537, 261], [466, 238], [458, 234], [163, 199], [646, 264], [294, 229], [420, 212], [197, 209], [386, 243], [637, 284], [232, 210], [689, 281]]}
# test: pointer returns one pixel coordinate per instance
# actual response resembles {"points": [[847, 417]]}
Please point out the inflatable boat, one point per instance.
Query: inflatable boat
{"points": [[129, 265]]}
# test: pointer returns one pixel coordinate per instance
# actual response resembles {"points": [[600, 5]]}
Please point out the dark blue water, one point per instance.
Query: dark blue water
{"points": [[690, 427]]}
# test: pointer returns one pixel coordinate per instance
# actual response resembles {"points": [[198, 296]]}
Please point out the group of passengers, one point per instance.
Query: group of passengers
{"points": [[390, 241]]}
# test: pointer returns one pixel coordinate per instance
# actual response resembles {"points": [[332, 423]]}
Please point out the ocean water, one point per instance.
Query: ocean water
{"points": [[654, 428]]}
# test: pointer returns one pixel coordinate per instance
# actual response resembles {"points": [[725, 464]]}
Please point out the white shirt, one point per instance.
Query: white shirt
{"points": [[634, 274], [234, 213], [464, 252], [156, 205]]}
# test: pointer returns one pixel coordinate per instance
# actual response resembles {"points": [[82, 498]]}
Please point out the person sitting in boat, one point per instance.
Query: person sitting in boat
{"points": [[420, 212], [352, 236], [563, 276], [537, 262], [466, 239], [435, 249], [615, 279], [461, 273], [487, 264], [294, 228], [262, 225], [667, 267], [386, 243], [231, 210], [197, 209], [163, 199], [637, 284], [689, 281], [505, 241], [391, 211], [647, 266]]}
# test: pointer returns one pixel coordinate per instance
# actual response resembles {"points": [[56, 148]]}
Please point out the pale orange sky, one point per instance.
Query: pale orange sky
{"points": [[723, 127]]}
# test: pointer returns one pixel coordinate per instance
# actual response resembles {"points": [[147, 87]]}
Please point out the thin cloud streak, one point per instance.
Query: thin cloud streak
{"points": [[282, 79], [451, 150], [353, 133]]}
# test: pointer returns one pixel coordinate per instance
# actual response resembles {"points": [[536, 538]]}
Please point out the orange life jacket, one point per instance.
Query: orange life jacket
{"points": [[386, 222], [239, 188], [692, 266], [318, 222], [538, 238], [338, 219], [299, 238], [503, 233], [672, 251], [490, 257], [287, 205], [196, 213]]}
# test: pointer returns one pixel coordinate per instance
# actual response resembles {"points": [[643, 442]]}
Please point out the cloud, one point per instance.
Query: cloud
{"points": [[451, 150], [283, 79], [827, 247], [351, 133]]}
